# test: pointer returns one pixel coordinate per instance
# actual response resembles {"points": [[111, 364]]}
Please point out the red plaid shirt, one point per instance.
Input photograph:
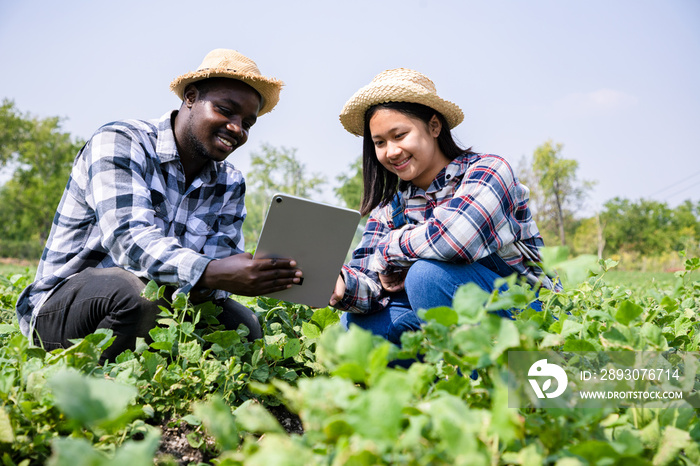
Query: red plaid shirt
{"points": [[475, 207]]}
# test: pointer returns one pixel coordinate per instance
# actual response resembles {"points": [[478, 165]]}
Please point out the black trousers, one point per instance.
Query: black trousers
{"points": [[111, 298]]}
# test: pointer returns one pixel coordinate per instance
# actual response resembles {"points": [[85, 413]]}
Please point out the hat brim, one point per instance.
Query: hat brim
{"points": [[268, 88], [352, 116]]}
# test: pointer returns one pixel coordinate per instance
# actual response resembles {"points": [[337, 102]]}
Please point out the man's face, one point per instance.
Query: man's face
{"points": [[219, 119]]}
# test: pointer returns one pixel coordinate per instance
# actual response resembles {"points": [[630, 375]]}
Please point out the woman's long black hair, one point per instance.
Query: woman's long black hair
{"points": [[381, 185]]}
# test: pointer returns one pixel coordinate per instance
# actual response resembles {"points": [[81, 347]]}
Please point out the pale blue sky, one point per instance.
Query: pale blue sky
{"points": [[617, 81]]}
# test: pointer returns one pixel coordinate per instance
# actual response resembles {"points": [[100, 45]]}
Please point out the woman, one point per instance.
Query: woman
{"points": [[439, 216]]}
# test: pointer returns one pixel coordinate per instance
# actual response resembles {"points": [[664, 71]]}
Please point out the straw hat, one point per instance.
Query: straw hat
{"points": [[398, 85], [224, 63]]}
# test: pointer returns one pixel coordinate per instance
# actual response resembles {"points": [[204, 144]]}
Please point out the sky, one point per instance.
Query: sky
{"points": [[617, 82]]}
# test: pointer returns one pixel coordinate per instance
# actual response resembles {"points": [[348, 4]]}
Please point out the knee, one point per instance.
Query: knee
{"points": [[429, 284], [421, 274], [129, 306], [234, 314]]}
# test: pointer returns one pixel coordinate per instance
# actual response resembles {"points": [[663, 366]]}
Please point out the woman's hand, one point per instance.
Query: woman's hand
{"points": [[393, 282], [338, 292]]}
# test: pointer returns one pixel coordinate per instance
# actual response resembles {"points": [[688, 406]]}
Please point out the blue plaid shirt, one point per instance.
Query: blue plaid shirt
{"points": [[475, 207], [126, 205]]}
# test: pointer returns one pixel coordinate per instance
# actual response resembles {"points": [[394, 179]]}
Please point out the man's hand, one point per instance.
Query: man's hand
{"points": [[393, 282], [245, 276]]}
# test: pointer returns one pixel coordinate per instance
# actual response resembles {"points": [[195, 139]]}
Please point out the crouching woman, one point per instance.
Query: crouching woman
{"points": [[440, 216]]}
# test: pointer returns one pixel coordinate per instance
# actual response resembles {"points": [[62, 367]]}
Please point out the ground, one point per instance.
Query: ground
{"points": [[174, 443]]}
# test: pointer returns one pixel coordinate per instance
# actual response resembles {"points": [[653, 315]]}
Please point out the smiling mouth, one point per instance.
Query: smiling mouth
{"points": [[228, 143], [402, 164]]}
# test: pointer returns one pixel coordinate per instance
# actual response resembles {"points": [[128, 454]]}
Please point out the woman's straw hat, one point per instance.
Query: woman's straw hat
{"points": [[398, 85], [224, 63]]}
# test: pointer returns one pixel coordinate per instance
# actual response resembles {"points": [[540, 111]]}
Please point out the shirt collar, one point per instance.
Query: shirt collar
{"points": [[165, 145], [453, 171]]}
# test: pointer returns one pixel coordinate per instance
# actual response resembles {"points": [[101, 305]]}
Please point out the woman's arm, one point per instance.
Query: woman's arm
{"points": [[362, 290], [475, 223]]}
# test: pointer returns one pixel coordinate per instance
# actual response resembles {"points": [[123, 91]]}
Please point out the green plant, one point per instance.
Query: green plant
{"points": [[355, 408]]}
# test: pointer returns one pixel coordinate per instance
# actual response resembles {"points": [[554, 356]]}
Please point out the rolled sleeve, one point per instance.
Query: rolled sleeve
{"points": [[363, 292]]}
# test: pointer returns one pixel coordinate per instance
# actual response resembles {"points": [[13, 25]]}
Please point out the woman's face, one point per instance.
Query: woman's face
{"points": [[407, 146]]}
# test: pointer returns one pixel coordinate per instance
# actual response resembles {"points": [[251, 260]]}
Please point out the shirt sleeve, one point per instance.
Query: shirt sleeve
{"points": [[363, 292], [117, 191], [226, 238], [473, 224]]}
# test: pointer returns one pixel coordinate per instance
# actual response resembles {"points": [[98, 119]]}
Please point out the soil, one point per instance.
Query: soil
{"points": [[174, 444]]}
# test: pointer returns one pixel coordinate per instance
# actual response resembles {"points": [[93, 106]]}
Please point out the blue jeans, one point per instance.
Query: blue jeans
{"points": [[430, 284]]}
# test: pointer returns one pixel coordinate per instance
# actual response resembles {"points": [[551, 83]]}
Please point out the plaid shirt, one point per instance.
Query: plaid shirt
{"points": [[475, 207], [126, 205]]}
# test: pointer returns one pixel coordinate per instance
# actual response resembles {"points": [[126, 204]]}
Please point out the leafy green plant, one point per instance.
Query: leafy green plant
{"points": [[354, 406]]}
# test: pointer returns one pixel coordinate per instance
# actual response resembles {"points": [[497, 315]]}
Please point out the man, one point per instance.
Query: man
{"points": [[157, 200]]}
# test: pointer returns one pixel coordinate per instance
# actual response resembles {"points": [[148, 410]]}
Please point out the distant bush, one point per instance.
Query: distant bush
{"points": [[21, 249]]}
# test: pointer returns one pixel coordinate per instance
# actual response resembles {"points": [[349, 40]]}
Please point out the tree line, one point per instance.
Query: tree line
{"points": [[36, 157], [643, 233]]}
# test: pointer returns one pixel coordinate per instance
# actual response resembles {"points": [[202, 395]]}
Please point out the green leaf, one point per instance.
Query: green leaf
{"points": [[281, 449], [442, 315], [152, 292], [151, 362], [627, 311], [273, 351], [508, 337], [226, 339], [654, 335], [136, 453], [261, 373], [594, 450], [292, 348], [190, 350], [350, 370], [571, 327], [7, 328], [448, 411], [219, 422], [180, 301], [325, 317], [672, 442], [7, 435], [628, 443], [75, 452], [163, 338], [670, 304], [337, 427], [89, 400], [253, 417], [469, 303], [504, 420], [579, 345], [310, 331]]}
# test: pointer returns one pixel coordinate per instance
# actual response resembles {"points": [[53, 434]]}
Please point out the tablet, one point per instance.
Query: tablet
{"points": [[318, 236]]}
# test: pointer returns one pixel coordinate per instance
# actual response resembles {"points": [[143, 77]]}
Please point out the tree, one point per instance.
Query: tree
{"points": [[650, 228], [274, 170], [556, 193], [350, 189], [39, 157]]}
